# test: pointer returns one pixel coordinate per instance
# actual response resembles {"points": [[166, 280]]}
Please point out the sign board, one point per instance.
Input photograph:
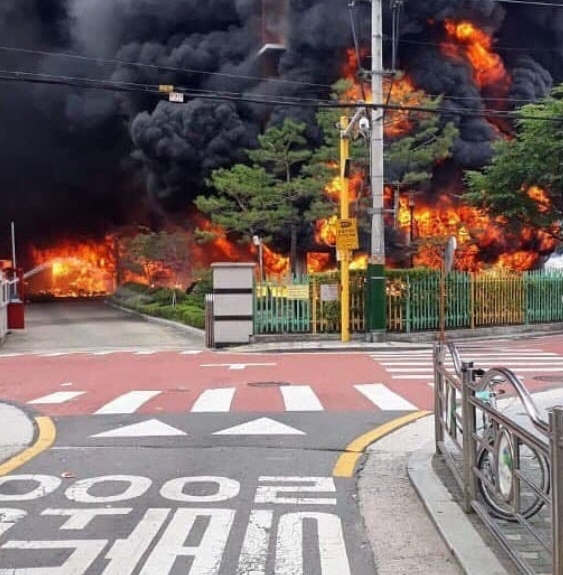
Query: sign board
{"points": [[298, 291], [330, 292], [176, 97], [347, 234]]}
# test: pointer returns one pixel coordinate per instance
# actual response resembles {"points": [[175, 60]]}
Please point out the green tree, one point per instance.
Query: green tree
{"points": [[415, 141], [278, 197], [161, 258], [523, 184]]}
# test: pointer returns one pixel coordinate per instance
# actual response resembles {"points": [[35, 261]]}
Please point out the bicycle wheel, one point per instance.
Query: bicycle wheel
{"points": [[531, 502]]}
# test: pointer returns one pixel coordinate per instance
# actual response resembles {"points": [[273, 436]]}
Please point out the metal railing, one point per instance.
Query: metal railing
{"points": [[510, 474], [4, 299]]}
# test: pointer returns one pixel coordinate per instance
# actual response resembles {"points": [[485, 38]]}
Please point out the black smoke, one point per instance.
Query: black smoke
{"points": [[77, 161]]}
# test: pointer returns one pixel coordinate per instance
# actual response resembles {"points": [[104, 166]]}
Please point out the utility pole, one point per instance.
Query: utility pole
{"points": [[344, 215], [375, 301]]}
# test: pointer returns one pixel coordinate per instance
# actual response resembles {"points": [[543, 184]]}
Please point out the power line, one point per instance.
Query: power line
{"points": [[8, 76], [118, 62]]}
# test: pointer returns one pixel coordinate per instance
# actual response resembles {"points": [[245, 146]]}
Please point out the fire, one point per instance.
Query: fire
{"points": [[482, 242], [76, 269], [476, 46], [540, 197], [398, 91], [274, 264], [403, 93]]}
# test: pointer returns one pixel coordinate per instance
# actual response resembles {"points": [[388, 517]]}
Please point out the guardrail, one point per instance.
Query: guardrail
{"points": [[509, 474]]}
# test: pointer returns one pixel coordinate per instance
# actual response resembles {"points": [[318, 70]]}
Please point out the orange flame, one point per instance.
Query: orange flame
{"points": [[76, 269], [540, 197], [482, 242], [476, 46]]}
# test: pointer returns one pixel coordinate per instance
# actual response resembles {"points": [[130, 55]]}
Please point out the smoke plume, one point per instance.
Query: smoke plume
{"points": [[84, 161]]}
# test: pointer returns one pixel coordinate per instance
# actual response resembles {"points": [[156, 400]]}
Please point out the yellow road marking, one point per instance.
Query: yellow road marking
{"points": [[346, 463], [45, 438]]}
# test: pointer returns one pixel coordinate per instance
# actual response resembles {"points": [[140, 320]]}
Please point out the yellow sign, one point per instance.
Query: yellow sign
{"points": [[347, 234], [298, 291]]}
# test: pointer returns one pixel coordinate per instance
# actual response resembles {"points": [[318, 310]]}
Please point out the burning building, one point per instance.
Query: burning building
{"points": [[80, 161]]}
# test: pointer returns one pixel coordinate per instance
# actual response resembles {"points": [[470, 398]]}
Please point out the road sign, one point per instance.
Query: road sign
{"points": [[347, 234]]}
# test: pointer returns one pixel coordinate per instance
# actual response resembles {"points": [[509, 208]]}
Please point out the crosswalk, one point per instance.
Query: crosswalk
{"points": [[289, 398], [418, 364]]}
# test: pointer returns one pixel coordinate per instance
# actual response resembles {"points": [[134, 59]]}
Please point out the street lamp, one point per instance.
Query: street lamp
{"points": [[257, 241]]}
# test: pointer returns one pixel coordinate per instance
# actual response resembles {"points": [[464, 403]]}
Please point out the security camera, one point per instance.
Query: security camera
{"points": [[364, 125]]}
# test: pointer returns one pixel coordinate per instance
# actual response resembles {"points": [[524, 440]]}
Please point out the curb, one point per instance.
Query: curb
{"points": [[159, 320], [25, 425], [455, 528]]}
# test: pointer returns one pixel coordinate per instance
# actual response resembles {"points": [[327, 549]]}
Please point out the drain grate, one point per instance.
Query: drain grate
{"points": [[267, 383]]}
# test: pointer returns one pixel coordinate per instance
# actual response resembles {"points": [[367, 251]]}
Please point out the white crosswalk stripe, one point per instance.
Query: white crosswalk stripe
{"points": [[418, 365], [214, 400], [56, 397], [127, 403], [295, 398], [381, 396], [300, 398]]}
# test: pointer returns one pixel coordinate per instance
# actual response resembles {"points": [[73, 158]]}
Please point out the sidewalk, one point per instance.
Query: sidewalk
{"points": [[18, 431], [413, 521], [307, 343]]}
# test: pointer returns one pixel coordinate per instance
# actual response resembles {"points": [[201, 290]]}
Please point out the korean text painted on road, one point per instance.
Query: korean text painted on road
{"points": [[196, 521]]}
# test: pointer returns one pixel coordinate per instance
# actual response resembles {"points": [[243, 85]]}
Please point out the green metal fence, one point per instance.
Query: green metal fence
{"points": [[303, 305]]}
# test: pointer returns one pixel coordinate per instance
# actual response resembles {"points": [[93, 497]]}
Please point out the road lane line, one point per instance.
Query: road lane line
{"points": [[56, 397], [381, 396], [300, 398], [127, 403], [214, 400], [46, 434], [346, 463]]}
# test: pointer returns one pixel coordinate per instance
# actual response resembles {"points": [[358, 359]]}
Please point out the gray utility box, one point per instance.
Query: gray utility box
{"points": [[233, 303]]}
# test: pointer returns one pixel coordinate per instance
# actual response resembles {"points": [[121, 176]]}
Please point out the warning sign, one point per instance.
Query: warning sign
{"points": [[347, 234]]}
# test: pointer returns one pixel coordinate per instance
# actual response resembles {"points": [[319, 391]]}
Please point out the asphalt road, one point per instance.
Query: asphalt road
{"points": [[199, 494], [162, 489], [172, 459]]}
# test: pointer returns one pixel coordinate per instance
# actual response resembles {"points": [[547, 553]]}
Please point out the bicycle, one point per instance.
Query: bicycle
{"points": [[495, 463]]}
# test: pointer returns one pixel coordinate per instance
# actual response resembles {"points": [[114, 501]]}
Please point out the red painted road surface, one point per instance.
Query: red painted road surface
{"points": [[400, 380]]}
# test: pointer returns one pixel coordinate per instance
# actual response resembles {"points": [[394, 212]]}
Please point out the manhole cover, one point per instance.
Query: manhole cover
{"points": [[267, 383], [550, 378]]}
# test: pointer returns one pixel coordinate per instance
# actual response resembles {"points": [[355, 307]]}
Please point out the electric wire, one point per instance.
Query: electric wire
{"points": [[266, 100], [165, 68]]}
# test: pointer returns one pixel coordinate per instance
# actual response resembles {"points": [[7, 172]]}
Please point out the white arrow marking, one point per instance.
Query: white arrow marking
{"points": [[236, 365], [261, 426], [150, 428]]}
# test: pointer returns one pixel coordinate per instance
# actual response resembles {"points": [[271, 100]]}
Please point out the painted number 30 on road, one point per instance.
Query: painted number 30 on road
{"points": [[197, 527]]}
